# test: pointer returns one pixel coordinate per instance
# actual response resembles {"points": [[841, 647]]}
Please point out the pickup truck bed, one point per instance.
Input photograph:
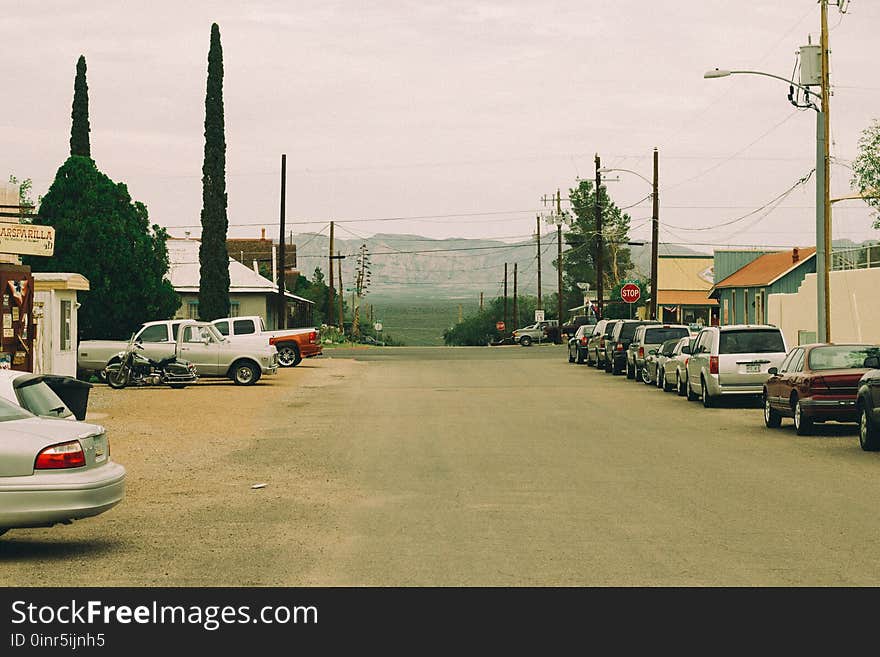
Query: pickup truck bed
{"points": [[293, 344]]}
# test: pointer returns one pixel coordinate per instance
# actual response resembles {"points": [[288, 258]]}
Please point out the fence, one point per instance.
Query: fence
{"points": [[864, 256]]}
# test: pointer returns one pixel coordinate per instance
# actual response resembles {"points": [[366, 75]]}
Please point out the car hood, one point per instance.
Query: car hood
{"points": [[21, 440]]}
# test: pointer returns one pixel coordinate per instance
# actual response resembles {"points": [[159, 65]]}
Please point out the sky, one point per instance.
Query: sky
{"points": [[458, 116]]}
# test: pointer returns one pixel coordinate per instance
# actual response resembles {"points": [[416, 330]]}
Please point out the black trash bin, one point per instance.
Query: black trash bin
{"points": [[73, 392]]}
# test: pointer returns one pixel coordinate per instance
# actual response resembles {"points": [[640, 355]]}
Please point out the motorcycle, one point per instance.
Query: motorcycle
{"points": [[139, 370]]}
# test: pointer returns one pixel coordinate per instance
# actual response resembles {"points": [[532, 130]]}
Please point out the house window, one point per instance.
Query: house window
{"points": [[234, 309], [192, 310], [65, 325], [759, 307]]}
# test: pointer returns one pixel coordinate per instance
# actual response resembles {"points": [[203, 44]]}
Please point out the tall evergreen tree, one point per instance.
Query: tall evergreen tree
{"points": [[79, 128], [213, 256]]}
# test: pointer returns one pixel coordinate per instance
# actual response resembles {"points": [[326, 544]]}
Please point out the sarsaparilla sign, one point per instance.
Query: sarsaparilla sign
{"points": [[27, 239]]}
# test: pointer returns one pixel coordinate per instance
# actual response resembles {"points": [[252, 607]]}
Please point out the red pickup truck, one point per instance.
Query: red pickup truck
{"points": [[293, 344]]}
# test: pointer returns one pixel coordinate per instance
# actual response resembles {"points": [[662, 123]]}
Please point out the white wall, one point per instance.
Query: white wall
{"points": [[49, 357], [855, 307]]}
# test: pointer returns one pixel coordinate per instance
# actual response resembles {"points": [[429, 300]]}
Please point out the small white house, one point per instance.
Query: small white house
{"points": [[55, 312]]}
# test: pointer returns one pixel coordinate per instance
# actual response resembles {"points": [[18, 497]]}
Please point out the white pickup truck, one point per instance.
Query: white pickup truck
{"points": [[243, 361], [293, 344]]}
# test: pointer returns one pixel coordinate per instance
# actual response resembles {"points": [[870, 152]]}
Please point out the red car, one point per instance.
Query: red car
{"points": [[815, 383]]}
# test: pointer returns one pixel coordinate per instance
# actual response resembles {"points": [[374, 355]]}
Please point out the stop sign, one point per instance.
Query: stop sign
{"points": [[499, 326], [630, 293]]}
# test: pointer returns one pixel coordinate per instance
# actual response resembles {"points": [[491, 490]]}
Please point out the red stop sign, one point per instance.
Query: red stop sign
{"points": [[630, 293], [499, 326]]}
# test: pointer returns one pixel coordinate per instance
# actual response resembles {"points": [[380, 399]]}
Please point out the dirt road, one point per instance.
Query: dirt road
{"points": [[482, 466]]}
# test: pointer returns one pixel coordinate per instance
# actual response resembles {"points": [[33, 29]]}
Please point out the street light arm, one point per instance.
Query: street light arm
{"points": [[636, 173], [721, 73]]}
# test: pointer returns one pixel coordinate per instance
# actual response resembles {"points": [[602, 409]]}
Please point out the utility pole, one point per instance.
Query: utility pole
{"points": [[481, 302], [600, 243], [341, 315], [331, 300], [282, 301], [540, 303], [460, 318], [515, 305], [505, 298], [825, 264], [559, 264], [655, 227]]}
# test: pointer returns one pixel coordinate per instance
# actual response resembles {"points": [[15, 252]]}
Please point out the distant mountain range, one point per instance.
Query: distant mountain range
{"points": [[422, 267]]}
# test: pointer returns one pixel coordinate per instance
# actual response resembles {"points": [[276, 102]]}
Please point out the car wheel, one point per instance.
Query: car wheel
{"points": [[646, 376], [630, 372], [525, 341], [659, 378], [580, 356], [244, 374], [869, 435], [289, 356], [570, 357], [690, 394], [772, 418], [666, 386], [178, 386], [802, 424], [708, 400]]}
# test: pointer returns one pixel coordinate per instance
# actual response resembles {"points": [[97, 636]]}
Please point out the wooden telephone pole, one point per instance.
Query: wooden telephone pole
{"points": [[331, 301]]}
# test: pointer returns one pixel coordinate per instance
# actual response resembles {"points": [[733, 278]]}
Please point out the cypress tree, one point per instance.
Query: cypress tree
{"points": [[213, 256], [79, 129]]}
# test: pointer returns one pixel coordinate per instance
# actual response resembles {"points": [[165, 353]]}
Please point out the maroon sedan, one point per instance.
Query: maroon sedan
{"points": [[815, 383]]}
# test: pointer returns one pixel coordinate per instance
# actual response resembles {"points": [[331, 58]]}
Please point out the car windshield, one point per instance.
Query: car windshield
{"points": [[628, 330], [10, 411], [751, 341], [841, 357], [668, 347], [609, 329], [40, 399], [662, 334]]}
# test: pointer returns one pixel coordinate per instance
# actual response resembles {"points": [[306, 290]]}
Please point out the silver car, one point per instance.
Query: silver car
{"points": [[653, 371], [676, 367], [733, 360], [53, 471]]}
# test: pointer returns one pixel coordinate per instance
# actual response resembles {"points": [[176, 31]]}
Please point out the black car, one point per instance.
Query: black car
{"points": [[615, 349], [577, 344], [868, 405]]}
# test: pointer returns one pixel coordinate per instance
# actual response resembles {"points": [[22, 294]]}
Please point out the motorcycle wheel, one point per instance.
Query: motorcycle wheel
{"points": [[118, 378]]}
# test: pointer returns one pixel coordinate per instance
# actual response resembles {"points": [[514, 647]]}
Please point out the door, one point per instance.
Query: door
{"points": [[156, 342], [700, 357], [779, 386], [17, 328], [197, 345]]}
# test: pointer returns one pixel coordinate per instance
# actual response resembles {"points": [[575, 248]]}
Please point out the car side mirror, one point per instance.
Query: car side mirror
{"points": [[773, 371], [873, 362]]}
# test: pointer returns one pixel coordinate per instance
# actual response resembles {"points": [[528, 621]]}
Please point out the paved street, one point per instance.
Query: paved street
{"points": [[464, 466]]}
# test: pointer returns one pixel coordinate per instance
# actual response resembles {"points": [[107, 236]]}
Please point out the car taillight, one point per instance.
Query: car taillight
{"points": [[619, 346], [313, 337], [641, 352], [65, 455], [584, 340], [686, 361], [713, 364]]}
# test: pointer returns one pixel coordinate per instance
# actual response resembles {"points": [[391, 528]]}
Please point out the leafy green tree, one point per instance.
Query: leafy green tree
{"points": [[104, 235], [579, 262], [25, 199], [866, 168], [213, 256], [79, 127], [316, 291], [617, 308]]}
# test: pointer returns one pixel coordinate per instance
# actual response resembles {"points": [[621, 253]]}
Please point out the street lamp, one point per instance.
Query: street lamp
{"points": [[655, 228]]}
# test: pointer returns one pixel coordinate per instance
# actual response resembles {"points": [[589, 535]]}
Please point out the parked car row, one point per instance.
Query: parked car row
{"points": [[810, 384]]}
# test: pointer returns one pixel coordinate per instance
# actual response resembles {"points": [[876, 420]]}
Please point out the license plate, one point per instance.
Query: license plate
{"points": [[752, 368]]}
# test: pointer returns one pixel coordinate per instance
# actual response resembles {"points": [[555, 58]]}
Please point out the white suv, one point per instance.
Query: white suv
{"points": [[733, 360]]}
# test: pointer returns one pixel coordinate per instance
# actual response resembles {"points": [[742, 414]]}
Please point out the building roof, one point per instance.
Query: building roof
{"points": [[767, 269], [184, 272], [685, 298], [60, 281]]}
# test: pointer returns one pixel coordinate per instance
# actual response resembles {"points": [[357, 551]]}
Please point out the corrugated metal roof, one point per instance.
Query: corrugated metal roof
{"points": [[766, 269]]}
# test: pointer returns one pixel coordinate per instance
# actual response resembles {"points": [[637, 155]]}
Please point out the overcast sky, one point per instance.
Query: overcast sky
{"points": [[409, 109]]}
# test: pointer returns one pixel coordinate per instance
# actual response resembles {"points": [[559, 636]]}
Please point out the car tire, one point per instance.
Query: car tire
{"points": [[646, 376], [772, 418], [690, 394], [570, 357], [580, 357], [803, 426], [659, 378], [288, 355], [525, 341], [177, 386], [609, 366], [630, 372], [666, 386], [615, 369], [705, 397], [245, 374], [869, 435]]}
